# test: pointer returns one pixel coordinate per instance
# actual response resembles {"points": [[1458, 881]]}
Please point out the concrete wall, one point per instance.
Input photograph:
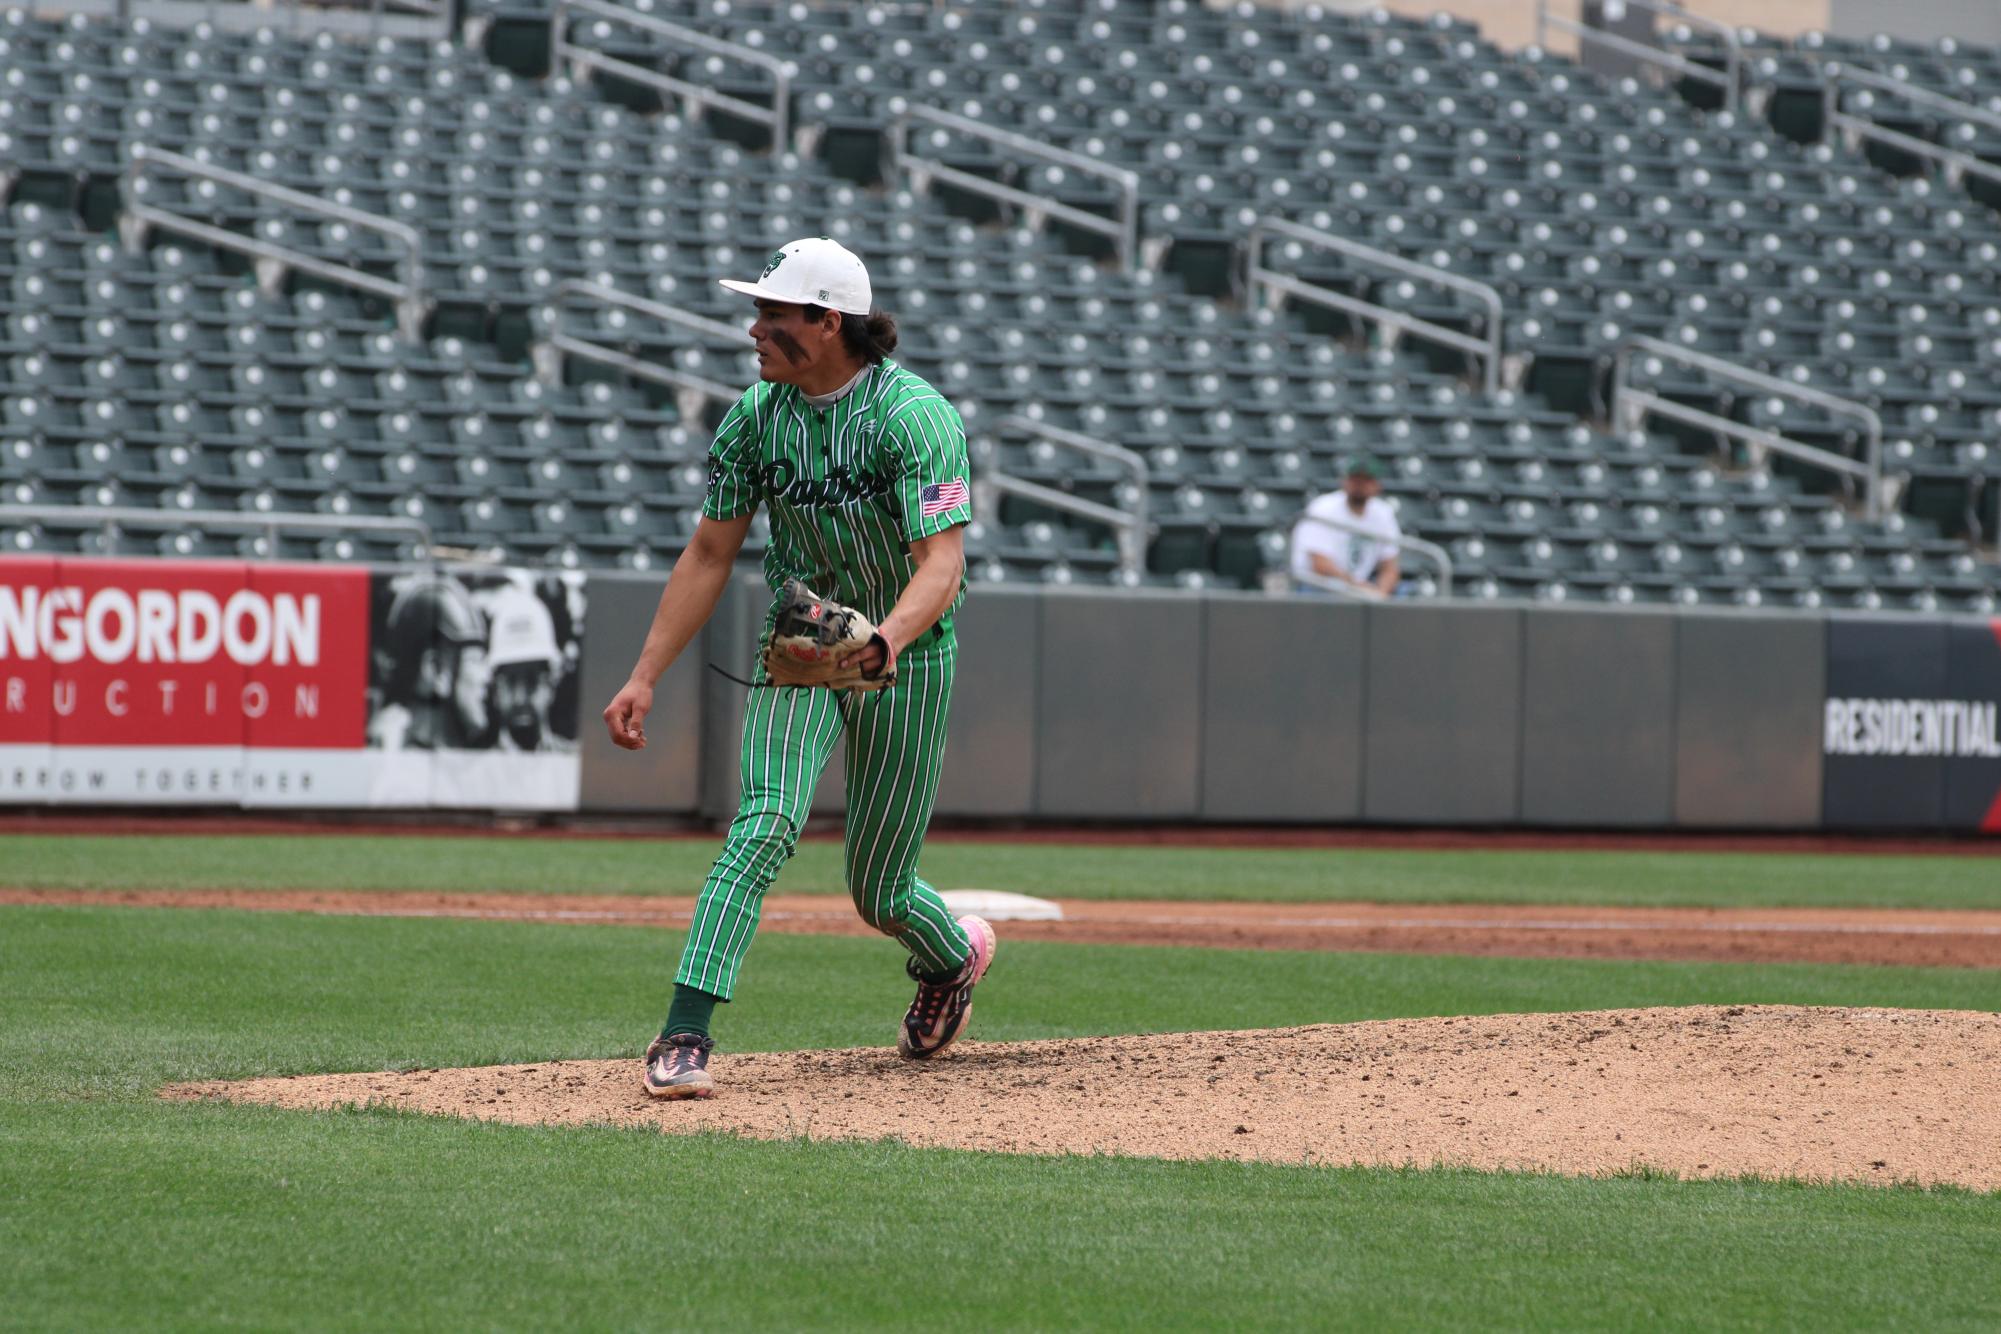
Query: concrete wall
{"points": [[1511, 24], [1917, 20], [1092, 705]]}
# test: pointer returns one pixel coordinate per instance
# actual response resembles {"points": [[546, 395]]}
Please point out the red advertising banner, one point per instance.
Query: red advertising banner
{"points": [[186, 653], [27, 676], [311, 689], [163, 681]]}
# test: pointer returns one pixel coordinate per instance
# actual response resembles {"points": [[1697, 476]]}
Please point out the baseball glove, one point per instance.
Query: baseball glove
{"points": [[809, 638]]}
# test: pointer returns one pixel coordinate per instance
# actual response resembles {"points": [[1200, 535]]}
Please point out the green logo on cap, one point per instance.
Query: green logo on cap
{"points": [[777, 258]]}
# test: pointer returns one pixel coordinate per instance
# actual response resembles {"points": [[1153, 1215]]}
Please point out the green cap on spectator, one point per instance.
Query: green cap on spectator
{"points": [[1363, 465]]}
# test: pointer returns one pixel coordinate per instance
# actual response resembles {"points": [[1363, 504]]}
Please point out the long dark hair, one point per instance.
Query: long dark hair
{"points": [[869, 337]]}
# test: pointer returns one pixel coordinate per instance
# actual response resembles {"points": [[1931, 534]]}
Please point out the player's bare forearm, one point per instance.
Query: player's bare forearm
{"points": [[941, 561], [693, 589], [690, 598]]}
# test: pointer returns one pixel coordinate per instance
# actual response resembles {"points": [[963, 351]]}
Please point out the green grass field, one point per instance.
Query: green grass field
{"points": [[119, 1210], [676, 866], [123, 1217]]}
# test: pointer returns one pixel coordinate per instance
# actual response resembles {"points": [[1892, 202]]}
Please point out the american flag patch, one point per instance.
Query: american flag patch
{"points": [[938, 497]]}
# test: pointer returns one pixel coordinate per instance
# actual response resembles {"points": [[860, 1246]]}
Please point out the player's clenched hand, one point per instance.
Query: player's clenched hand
{"points": [[625, 716], [878, 657]]}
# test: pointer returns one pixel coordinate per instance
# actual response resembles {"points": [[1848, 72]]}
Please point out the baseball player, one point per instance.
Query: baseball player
{"points": [[861, 467]]}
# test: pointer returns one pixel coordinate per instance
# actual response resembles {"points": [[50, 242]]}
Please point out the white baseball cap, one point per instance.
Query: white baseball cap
{"points": [[812, 271], [523, 630]]}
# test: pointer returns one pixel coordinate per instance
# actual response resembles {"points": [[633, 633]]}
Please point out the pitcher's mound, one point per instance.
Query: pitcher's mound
{"points": [[1847, 1094]]}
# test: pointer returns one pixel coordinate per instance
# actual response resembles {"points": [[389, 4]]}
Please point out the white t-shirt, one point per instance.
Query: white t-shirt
{"points": [[1355, 554]]}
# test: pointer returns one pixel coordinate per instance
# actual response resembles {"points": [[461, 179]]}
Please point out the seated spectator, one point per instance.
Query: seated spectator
{"points": [[1365, 560]]}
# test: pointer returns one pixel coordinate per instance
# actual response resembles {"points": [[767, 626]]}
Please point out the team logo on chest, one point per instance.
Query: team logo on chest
{"points": [[855, 479]]}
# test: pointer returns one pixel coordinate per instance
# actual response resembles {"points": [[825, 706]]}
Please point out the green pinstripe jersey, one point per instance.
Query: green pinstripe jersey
{"points": [[848, 487]]}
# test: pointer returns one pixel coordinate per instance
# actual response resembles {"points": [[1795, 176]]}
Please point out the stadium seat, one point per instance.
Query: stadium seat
{"points": [[1598, 208]]}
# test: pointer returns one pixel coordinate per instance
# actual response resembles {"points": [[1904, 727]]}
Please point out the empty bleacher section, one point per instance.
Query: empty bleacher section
{"points": [[1945, 93], [164, 377]]}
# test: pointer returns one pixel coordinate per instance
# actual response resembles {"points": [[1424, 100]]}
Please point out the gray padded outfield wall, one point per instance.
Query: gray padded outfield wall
{"points": [[1077, 704], [1118, 706], [1598, 718], [1442, 731], [1748, 698], [990, 744], [1300, 762], [665, 775]]}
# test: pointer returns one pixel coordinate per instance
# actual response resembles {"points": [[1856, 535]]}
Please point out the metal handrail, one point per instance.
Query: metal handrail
{"points": [[429, 20], [1402, 542], [1957, 162], [778, 115], [548, 352], [1877, 81], [1133, 527], [1729, 78], [1123, 231], [659, 310], [138, 217], [112, 517], [1630, 405], [1258, 277]]}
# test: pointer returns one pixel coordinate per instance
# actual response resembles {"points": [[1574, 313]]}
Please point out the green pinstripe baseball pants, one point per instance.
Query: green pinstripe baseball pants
{"points": [[896, 745]]}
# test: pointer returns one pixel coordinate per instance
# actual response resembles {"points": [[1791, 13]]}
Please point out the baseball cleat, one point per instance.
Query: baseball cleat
{"points": [[678, 1067], [942, 1009]]}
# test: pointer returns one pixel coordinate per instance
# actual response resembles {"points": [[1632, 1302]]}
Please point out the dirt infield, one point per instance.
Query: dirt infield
{"points": [[1740, 935], [1820, 1094]]}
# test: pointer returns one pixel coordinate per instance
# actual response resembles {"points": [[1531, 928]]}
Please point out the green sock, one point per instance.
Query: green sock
{"points": [[690, 1012]]}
